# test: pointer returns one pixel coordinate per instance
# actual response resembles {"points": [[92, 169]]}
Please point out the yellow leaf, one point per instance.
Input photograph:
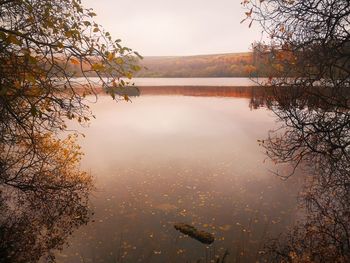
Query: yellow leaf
{"points": [[111, 56], [119, 61], [97, 67], [128, 75]]}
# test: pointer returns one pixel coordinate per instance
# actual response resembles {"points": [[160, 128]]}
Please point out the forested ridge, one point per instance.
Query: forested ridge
{"points": [[219, 65], [248, 64]]}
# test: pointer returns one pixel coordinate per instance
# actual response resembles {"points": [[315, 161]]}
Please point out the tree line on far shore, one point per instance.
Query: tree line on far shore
{"points": [[247, 64]]}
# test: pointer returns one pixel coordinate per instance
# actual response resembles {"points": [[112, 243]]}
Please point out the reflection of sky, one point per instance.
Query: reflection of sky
{"points": [[181, 27], [166, 159], [178, 126]]}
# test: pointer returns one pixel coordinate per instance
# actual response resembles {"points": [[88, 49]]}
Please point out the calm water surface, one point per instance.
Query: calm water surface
{"points": [[194, 81], [166, 159]]}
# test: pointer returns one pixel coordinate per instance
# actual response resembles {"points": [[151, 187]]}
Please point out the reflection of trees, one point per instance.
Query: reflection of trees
{"points": [[308, 51], [43, 198], [315, 135]]}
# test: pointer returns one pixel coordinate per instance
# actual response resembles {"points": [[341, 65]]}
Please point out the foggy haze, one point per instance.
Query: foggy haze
{"points": [[176, 27]]}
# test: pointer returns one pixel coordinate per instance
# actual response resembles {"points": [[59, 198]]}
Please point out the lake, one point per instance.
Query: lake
{"points": [[181, 155], [217, 82], [194, 82]]}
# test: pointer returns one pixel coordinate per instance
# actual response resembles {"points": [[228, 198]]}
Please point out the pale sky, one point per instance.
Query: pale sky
{"points": [[176, 27]]}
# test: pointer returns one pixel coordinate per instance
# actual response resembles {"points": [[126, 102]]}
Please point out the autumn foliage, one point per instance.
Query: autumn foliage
{"points": [[43, 193]]}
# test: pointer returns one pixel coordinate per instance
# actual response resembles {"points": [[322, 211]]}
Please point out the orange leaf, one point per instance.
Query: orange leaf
{"points": [[74, 61]]}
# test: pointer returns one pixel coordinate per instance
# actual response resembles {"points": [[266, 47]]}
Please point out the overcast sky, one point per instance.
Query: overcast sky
{"points": [[176, 27]]}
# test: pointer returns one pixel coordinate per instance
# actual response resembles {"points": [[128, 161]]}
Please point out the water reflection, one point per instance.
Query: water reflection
{"points": [[162, 160], [43, 198], [191, 156], [315, 138]]}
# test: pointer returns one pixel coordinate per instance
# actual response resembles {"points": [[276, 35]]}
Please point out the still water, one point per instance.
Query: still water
{"points": [[189, 82], [195, 81], [170, 158]]}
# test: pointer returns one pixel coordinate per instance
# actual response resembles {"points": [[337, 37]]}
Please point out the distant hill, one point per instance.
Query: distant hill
{"points": [[219, 65], [246, 64]]}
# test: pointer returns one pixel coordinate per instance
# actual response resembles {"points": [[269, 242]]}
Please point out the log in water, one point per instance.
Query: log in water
{"points": [[191, 231]]}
